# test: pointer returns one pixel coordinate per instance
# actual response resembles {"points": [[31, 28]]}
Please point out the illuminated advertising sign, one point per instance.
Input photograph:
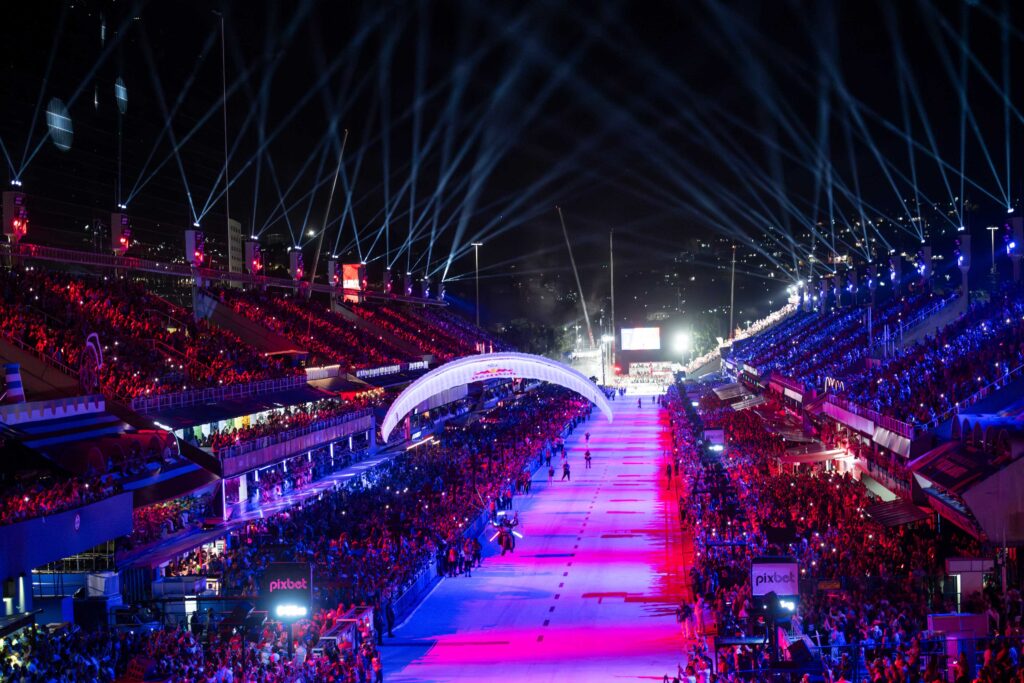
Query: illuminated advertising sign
{"points": [[641, 338], [779, 575], [289, 590], [353, 277], [495, 372]]}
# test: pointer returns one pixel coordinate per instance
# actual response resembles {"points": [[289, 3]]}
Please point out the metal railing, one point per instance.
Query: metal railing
{"points": [[192, 397], [282, 437], [852, 661], [997, 383], [926, 313], [44, 253], [49, 360], [786, 382], [900, 427]]}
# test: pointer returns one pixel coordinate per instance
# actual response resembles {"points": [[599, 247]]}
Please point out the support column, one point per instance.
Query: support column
{"points": [[24, 597], [223, 501]]}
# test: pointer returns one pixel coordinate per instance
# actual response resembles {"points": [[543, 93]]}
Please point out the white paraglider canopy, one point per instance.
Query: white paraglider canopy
{"points": [[504, 365]]}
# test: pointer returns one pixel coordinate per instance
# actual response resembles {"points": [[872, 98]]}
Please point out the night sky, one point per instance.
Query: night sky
{"points": [[668, 122]]}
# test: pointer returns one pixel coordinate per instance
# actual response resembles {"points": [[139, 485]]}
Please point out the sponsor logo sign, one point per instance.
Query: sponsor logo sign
{"points": [[780, 576]]}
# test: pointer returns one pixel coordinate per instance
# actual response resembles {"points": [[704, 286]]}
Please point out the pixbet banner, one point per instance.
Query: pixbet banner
{"points": [[288, 590], [778, 575]]}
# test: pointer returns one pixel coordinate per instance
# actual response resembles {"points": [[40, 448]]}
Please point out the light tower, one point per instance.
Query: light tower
{"points": [[195, 254], [15, 216], [1017, 240], [924, 266], [963, 262], [896, 272], [120, 233], [253, 258], [296, 267]]}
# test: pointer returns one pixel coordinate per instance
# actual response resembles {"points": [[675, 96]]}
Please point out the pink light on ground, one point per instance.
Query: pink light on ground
{"points": [[591, 591]]}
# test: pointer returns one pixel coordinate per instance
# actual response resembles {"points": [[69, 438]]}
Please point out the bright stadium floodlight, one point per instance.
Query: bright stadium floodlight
{"points": [[291, 611], [682, 342]]}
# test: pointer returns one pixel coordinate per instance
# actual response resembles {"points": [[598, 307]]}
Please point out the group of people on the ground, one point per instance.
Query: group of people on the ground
{"points": [[367, 541], [739, 504]]}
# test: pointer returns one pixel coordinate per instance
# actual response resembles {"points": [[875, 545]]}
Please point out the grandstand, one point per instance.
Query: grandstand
{"points": [[896, 408], [174, 430], [155, 415]]}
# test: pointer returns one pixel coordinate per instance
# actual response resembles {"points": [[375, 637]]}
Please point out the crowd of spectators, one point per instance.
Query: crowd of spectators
{"points": [[160, 520], [810, 347], [150, 346], [920, 383], [40, 496], [182, 655], [367, 540], [326, 335], [927, 379], [739, 504], [284, 419], [376, 532], [432, 329]]}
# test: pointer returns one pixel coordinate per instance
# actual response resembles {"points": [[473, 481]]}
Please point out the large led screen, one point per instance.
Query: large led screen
{"points": [[641, 338]]}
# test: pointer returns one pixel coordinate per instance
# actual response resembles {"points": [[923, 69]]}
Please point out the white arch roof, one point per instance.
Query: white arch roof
{"points": [[504, 365]]}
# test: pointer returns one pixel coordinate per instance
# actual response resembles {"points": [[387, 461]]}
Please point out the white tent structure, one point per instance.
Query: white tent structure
{"points": [[485, 366]]}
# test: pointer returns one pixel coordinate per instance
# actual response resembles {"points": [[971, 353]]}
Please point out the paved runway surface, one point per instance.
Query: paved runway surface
{"points": [[591, 591]]}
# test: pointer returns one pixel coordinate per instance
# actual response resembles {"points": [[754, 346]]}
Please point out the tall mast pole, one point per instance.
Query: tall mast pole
{"points": [[224, 110], [327, 213], [732, 293], [611, 277], [476, 264], [579, 285]]}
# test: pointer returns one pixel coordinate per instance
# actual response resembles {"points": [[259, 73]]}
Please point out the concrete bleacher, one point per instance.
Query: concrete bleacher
{"points": [[41, 379], [376, 329], [935, 320], [253, 333]]}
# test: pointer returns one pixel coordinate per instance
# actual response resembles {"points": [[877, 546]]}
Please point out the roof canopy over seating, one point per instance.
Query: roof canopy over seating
{"points": [[505, 365]]}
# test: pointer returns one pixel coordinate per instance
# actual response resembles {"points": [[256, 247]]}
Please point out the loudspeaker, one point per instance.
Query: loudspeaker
{"points": [[799, 653]]}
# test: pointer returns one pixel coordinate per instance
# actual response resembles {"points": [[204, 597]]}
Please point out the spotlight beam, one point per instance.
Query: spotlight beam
{"points": [[42, 87]]}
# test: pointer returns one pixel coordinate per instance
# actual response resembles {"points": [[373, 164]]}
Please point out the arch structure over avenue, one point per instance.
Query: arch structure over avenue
{"points": [[485, 366]]}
